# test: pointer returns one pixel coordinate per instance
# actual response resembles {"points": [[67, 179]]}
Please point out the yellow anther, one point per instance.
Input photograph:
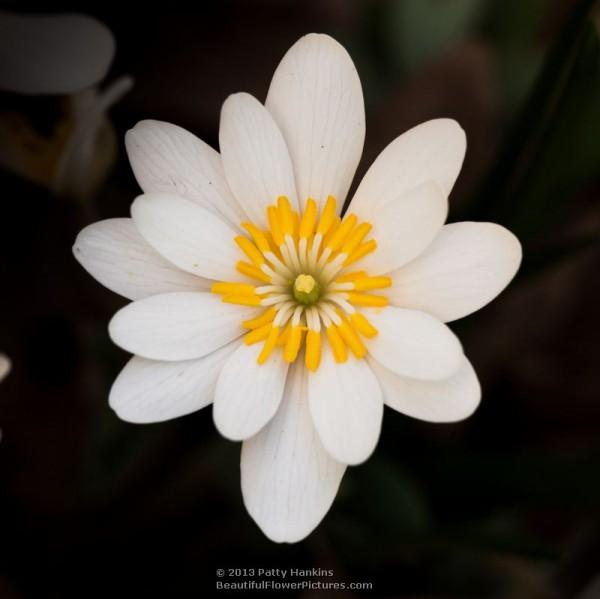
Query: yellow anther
{"points": [[242, 300], [351, 276], [309, 219], [250, 250], [312, 359], [361, 251], [367, 299], [304, 283], [362, 325], [260, 239], [275, 225], [342, 232], [355, 238], [266, 317], [327, 216], [251, 271], [285, 334], [293, 343], [296, 219], [334, 227], [352, 340], [269, 345], [340, 353], [258, 334], [368, 283], [233, 288], [285, 217]]}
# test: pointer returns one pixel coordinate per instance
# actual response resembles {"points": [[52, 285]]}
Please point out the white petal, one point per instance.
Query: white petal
{"points": [[166, 158], [117, 256], [346, 406], [289, 481], [5, 366], [467, 265], [404, 226], [53, 54], [448, 400], [255, 158], [150, 391], [431, 151], [187, 235], [413, 344], [316, 99], [177, 326], [248, 394]]}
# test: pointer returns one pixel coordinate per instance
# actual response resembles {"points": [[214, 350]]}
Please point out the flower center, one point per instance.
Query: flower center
{"points": [[306, 289], [304, 278]]}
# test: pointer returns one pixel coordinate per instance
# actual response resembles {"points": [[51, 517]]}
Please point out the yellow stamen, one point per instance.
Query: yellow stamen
{"points": [[286, 219], [362, 325], [292, 346], [332, 229], [257, 334], [284, 336], [352, 340], [250, 250], [368, 283], [309, 219], [242, 300], [233, 288], [342, 232], [361, 251], [367, 299], [275, 225], [327, 216], [313, 350], [354, 239], [338, 346], [251, 271], [269, 345], [260, 239], [266, 317], [351, 276]]}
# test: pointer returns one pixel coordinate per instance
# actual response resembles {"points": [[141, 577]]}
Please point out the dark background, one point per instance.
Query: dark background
{"points": [[503, 505]]}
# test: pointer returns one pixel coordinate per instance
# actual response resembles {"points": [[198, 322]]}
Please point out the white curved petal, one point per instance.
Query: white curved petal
{"points": [[255, 158], [466, 266], [177, 326], [431, 151], [316, 99], [346, 405], [187, 235], [248, 394], [448, 400], [289, 481], [117, 256], [5, 366], [404, 226], [167, 158], [413, 344], [151, 391], [53, 54]]}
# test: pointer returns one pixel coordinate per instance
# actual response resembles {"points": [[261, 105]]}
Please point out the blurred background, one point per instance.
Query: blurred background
{"points": [[504, 505]]}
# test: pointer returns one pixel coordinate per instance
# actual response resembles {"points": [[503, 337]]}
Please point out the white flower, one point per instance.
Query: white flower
{"points": [[5, 366], [340, 317]]}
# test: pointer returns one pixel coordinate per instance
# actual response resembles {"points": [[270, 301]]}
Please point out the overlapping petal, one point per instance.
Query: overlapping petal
{"points": [[151, 391], [413, 344], [116, 255], [346, 406], [168, 159], [255, 157], [248, 394], [467, 265], [316, 99], [288, 479], [447, 400], [177, 326]]}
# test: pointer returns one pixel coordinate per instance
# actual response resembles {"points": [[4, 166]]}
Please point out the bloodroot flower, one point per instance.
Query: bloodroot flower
{"points": [[253, 293]]}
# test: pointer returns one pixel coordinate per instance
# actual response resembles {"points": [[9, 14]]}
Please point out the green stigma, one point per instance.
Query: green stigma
{"points": [[306, 289]]}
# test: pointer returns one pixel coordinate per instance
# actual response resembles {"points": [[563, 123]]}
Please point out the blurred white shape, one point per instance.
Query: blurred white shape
{"points": [[5, 365], [53, 54]]}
